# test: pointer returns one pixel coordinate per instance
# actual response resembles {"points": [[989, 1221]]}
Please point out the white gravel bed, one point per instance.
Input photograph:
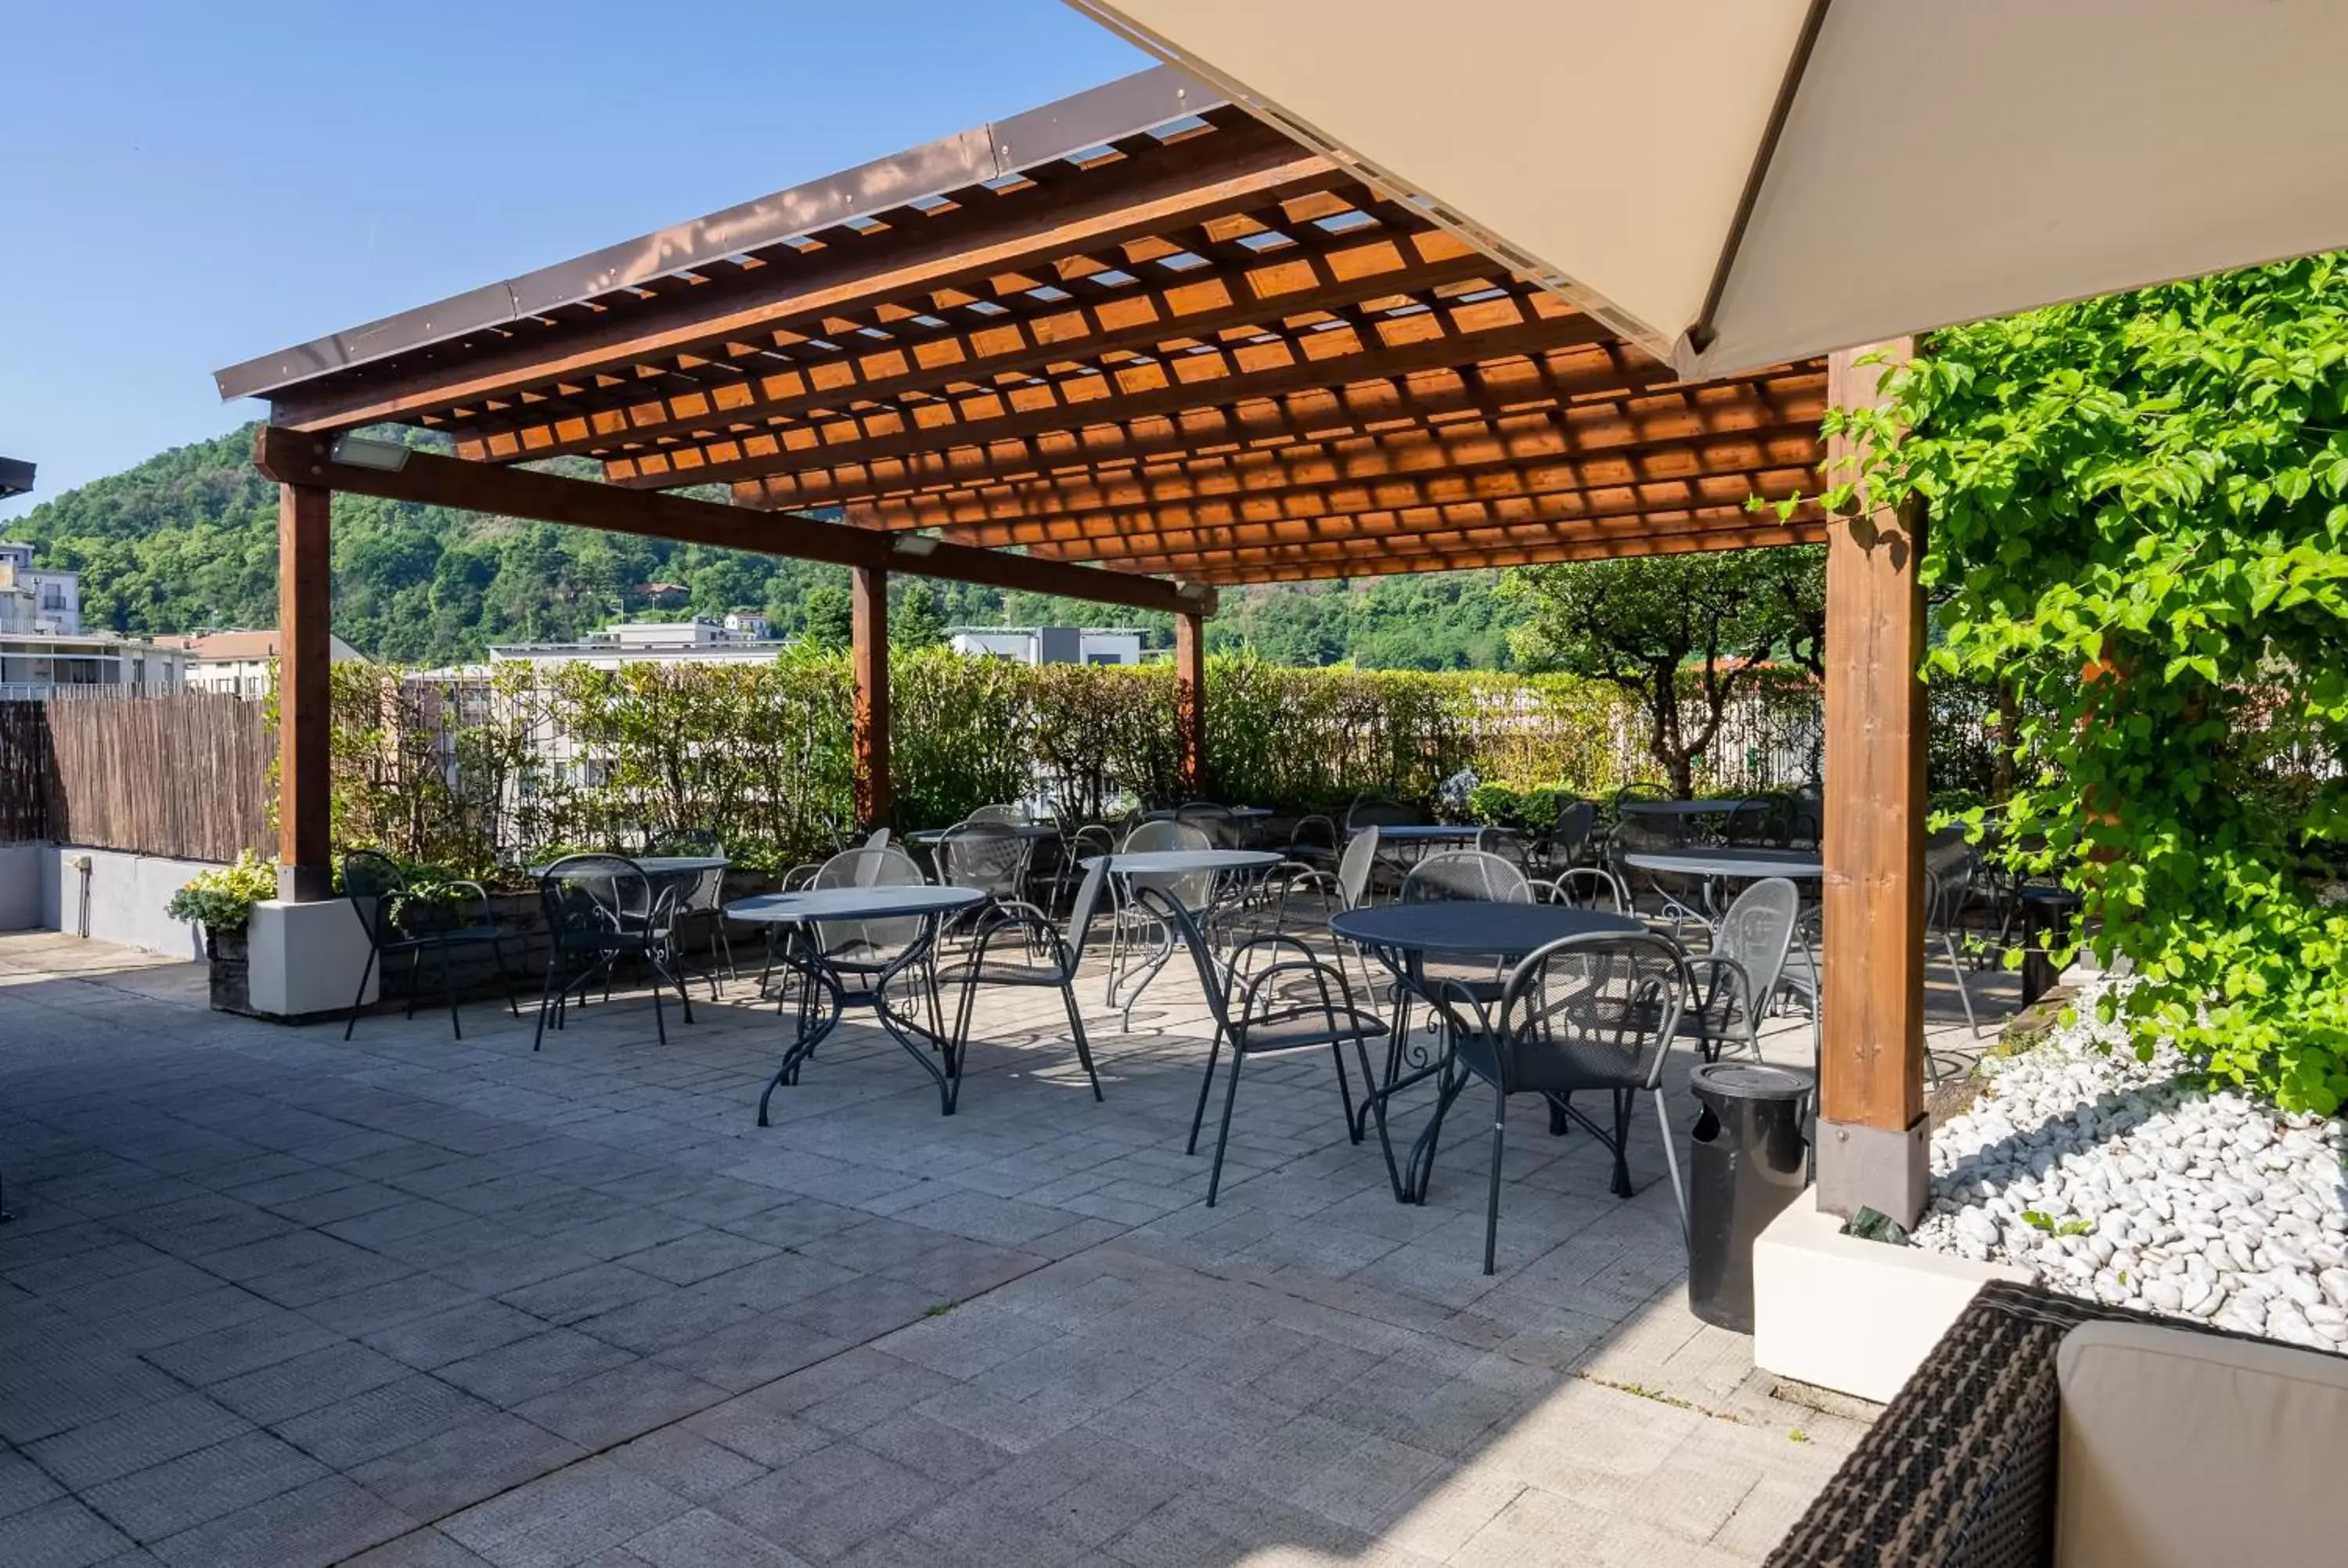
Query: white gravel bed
{"points": [[2117, 1182]]}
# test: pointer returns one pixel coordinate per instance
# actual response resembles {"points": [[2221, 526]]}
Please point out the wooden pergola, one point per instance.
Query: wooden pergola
{"points": [[1127, 347]]}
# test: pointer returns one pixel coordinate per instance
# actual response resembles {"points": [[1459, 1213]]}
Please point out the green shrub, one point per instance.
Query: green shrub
{"points": [[222, 898]]}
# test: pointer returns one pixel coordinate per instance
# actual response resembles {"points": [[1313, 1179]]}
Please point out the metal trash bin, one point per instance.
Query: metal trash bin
{"points": [[1750, 1159]]}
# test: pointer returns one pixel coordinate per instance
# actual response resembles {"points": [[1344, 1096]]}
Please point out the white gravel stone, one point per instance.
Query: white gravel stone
{"points": [[2146, 1189]]}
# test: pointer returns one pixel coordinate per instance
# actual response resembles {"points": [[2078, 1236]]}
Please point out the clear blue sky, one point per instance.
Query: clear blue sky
{"points": [[186, 185]]}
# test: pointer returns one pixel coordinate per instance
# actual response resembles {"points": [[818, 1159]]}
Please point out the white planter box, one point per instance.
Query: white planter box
{"points": [[307, 958], [1856, 1316]]}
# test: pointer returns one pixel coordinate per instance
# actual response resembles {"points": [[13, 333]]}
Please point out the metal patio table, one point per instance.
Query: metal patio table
{"points": [[1123, 867], [1034, 832], [1405, 936], [660, 865], [1715, 806], [1731, 865], [831, 989], [1177, 862]]}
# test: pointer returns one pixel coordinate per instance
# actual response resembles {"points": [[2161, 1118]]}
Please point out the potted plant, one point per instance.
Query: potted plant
{"points": [[222, 899]]}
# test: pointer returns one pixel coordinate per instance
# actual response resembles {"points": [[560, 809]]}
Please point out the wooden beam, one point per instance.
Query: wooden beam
{"points": [[1175, 532], [1344, 356], [1871, 1143], [305, 850], [869, 661], [1355, 476], [783, 385], [1073, 217], [291, 457], [1250, 433], [1457, 556], [1190, 702]]}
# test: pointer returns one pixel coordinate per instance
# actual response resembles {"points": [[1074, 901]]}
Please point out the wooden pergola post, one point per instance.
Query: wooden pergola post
{"points": [[1872, 1148], [1191, 700], [304, 696], [869, 659]]}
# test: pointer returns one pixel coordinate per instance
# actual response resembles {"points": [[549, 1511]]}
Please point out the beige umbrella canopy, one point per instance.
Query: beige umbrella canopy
{"points": [[1740, 182]]}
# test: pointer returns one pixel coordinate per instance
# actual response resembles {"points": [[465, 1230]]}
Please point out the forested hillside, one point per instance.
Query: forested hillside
{"points": [[187, 541]]}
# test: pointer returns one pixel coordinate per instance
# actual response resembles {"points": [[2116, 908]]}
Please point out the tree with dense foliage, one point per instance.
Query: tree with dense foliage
{"points": [[1682, 634], [2137, 511]]}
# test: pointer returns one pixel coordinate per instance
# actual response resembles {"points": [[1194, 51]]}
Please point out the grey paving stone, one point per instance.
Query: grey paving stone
{"points": [[864, 1308], [705, 1538], [381, 1421], [425, 1548], [165, 1498], [688, 1463], [323, 1377], [424, 1343], [569, 1298], [136, 1438], [545, 1361], [328, 1520], [523, 1262], [624, 1402], [565, 1517], [23, 1483], [464, 1464], [363, 1312], [259, 1341], [59, 1534], [825, 1503]]}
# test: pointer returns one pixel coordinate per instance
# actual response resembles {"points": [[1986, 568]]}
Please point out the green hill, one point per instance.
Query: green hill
{"points": [[187, 541]]}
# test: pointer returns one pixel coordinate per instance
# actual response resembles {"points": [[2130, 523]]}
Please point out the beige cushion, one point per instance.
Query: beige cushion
{"points": [[2182, 1450]]}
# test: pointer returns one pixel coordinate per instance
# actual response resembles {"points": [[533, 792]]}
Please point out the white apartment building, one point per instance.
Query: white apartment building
{"points": [[44, 650], [696, 642], [241, 664], [35, 600], [1050, 644]]}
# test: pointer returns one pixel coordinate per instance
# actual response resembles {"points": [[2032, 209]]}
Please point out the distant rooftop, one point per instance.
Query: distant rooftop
{"points": [[16, 477]]}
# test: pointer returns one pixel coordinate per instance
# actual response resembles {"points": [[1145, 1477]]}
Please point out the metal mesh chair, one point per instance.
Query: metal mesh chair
{"points": [[1584, 1014], [601, 908], [1295, 1002], [1006, 814], [986, 856], [866, 943], [1221, 828], [701, 894], [1737, 980], [1377, 810], [1566, 842], [1043, 957], [1951, 866], [397, 920], [1466, 874], [1585, 887]]}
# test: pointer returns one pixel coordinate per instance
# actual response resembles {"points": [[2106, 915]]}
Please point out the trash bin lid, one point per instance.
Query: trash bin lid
{"points": [[1751, 1080]]}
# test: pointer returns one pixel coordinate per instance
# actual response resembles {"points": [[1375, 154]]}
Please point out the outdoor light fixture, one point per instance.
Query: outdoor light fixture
{"points": [[1192, 592], [359, 452], [916, 545]]}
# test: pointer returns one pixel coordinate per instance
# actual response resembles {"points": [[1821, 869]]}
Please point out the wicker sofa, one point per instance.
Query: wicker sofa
{"points": [[1961, 1469]]}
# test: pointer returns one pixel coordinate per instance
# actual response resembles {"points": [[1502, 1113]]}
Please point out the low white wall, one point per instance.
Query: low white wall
{"points": [[20, 885], [41, 888]]}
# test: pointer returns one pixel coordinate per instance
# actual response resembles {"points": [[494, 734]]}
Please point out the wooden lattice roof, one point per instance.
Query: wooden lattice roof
{"points": [[1137, 329]]}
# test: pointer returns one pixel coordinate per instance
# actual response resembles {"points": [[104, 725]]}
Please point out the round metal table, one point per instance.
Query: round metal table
{"points": [[1717, 806], [1433, 833], [1473, 928], [656, 865], [1751, 865], [835, 980], [1174, 862], [1405, 936], [928, 838]]}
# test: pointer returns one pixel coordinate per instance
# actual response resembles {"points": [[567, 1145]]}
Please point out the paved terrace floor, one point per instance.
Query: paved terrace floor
{"points": [[271, 1299]]}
